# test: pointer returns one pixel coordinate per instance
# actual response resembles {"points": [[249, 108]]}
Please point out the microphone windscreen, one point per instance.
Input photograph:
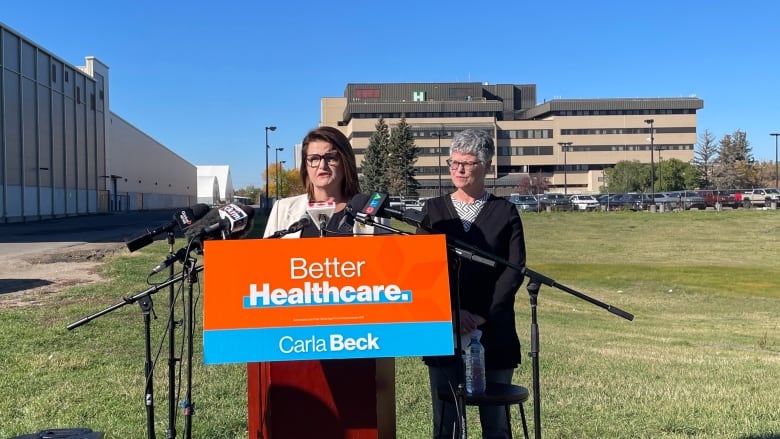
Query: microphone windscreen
{"points": [[247, 221], [238, 217], [186, 217], [358, 201], [354, 208], [198, 227], [375, 203], [321, 211]]}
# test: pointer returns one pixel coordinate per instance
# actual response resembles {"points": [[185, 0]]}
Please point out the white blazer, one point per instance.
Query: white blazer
{"points": [[288, 210], [284, 213]]}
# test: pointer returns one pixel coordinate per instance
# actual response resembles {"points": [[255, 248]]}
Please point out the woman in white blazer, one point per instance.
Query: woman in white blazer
{"points": [[329, 173]]}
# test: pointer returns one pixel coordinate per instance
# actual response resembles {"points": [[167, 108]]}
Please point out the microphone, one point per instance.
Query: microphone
{"points": [[300, 224], [378, 206], [182, 219], [354, 207], [294, 227], [321, 212], [178, 256], [228, 221], [239, 218]]}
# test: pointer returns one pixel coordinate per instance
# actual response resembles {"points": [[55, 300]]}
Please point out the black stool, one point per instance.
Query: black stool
{"points": [[495, 394]]}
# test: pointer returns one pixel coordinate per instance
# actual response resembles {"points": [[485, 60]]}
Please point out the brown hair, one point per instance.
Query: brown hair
{"points": [[350, 185]]}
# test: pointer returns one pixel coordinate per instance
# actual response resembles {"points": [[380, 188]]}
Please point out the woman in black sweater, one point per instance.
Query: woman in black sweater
{"points": [[486, 295]]}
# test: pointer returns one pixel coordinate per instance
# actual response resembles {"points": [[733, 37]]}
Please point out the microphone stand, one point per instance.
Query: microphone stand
{"points": [[465, 250], [172, 359], [146, 309], [190, 273], [146, 306], [535, 279], [462, 253]]}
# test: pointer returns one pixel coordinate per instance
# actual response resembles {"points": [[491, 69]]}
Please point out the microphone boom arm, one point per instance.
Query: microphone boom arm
{"points": [[128, 300], [475, 254]]}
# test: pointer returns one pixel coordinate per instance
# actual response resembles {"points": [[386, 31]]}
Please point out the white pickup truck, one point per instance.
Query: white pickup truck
{"points": [[760, 197]]}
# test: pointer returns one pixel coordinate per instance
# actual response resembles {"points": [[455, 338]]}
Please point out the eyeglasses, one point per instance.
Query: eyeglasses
{"points": [[469, 166], [314, 159]]}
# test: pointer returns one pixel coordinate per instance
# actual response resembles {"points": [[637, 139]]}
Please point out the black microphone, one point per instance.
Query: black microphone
{"points": [[178, 256], [347, 225], [228, 221], [294, 227], [182, 219]]}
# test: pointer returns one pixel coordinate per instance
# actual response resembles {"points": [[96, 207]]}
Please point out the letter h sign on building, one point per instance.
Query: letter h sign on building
{"points": [[315, 299]]}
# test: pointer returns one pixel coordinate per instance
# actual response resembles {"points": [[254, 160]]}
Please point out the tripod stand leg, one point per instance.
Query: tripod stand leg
{"points": [[533, 291], [146, 308]]}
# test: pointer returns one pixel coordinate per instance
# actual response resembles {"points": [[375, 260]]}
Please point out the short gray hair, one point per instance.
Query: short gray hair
{"points": [[476, 142]]}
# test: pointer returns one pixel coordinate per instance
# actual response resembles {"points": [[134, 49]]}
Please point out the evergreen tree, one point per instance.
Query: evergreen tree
{"points": [[734, 167], [374, 164], [402, 156], [705, 156]]}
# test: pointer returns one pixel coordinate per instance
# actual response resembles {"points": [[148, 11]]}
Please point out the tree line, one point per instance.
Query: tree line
{"points": [[725, 164], [388, 166]]}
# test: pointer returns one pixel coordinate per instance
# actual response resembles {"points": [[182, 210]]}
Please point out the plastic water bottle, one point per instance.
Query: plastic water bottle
{"points": [[475, 366]]}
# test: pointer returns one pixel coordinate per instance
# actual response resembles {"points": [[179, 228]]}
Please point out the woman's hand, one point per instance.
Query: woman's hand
{"points": [[469, 321]]}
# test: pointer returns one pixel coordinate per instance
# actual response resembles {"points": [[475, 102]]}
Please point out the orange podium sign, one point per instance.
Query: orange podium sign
{"points": [[309, 299]]}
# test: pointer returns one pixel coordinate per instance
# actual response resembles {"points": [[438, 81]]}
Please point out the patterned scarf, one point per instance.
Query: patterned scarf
{"points": [[468, 211]]}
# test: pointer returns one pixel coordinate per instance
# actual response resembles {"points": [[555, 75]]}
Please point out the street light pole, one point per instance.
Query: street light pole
{"points": [[438, 154], [276, 159], [775, 134], [278, 171], [652, 162], [565, 148], [267, 151]]}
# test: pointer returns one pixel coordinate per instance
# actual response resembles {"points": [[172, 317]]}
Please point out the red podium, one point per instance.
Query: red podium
{"points": [[344, 399]]}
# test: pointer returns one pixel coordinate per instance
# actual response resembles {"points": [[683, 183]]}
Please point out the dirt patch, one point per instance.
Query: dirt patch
{"points": [[27, 280]]}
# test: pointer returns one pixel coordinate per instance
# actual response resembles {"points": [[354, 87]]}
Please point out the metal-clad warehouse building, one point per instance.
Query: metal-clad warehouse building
{"points": [[64, 153]]}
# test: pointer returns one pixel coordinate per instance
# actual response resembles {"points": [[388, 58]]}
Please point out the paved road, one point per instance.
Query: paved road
{"points": [[18, 239]]}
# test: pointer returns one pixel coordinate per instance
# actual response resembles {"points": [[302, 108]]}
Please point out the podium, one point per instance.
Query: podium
{"points": [[320, 325], [344, 399]]}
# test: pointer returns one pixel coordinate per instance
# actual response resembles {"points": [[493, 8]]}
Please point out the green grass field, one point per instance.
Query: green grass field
{"points": [[701, 358]]}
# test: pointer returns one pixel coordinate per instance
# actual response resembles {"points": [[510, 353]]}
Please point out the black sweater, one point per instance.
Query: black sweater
{"points": [[483, 290]]}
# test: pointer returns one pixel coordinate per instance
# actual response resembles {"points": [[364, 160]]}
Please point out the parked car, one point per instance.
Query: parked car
{"points": [[689, 200], [412, 203], [395, 202], [610, 201], [635, 202], [715, 196], [525, 203], [666, 200], [761, 197], [584, 202], [554, 201]]}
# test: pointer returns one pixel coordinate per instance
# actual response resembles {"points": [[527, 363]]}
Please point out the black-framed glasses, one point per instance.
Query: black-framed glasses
{"points": [[314, 159], [469, 166]]}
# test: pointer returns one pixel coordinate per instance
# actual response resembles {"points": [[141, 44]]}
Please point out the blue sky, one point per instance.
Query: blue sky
{"points": [[173, 64]]}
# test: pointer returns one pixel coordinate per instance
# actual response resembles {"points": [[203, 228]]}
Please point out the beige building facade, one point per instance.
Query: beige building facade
{"points": [[569, 142]]}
